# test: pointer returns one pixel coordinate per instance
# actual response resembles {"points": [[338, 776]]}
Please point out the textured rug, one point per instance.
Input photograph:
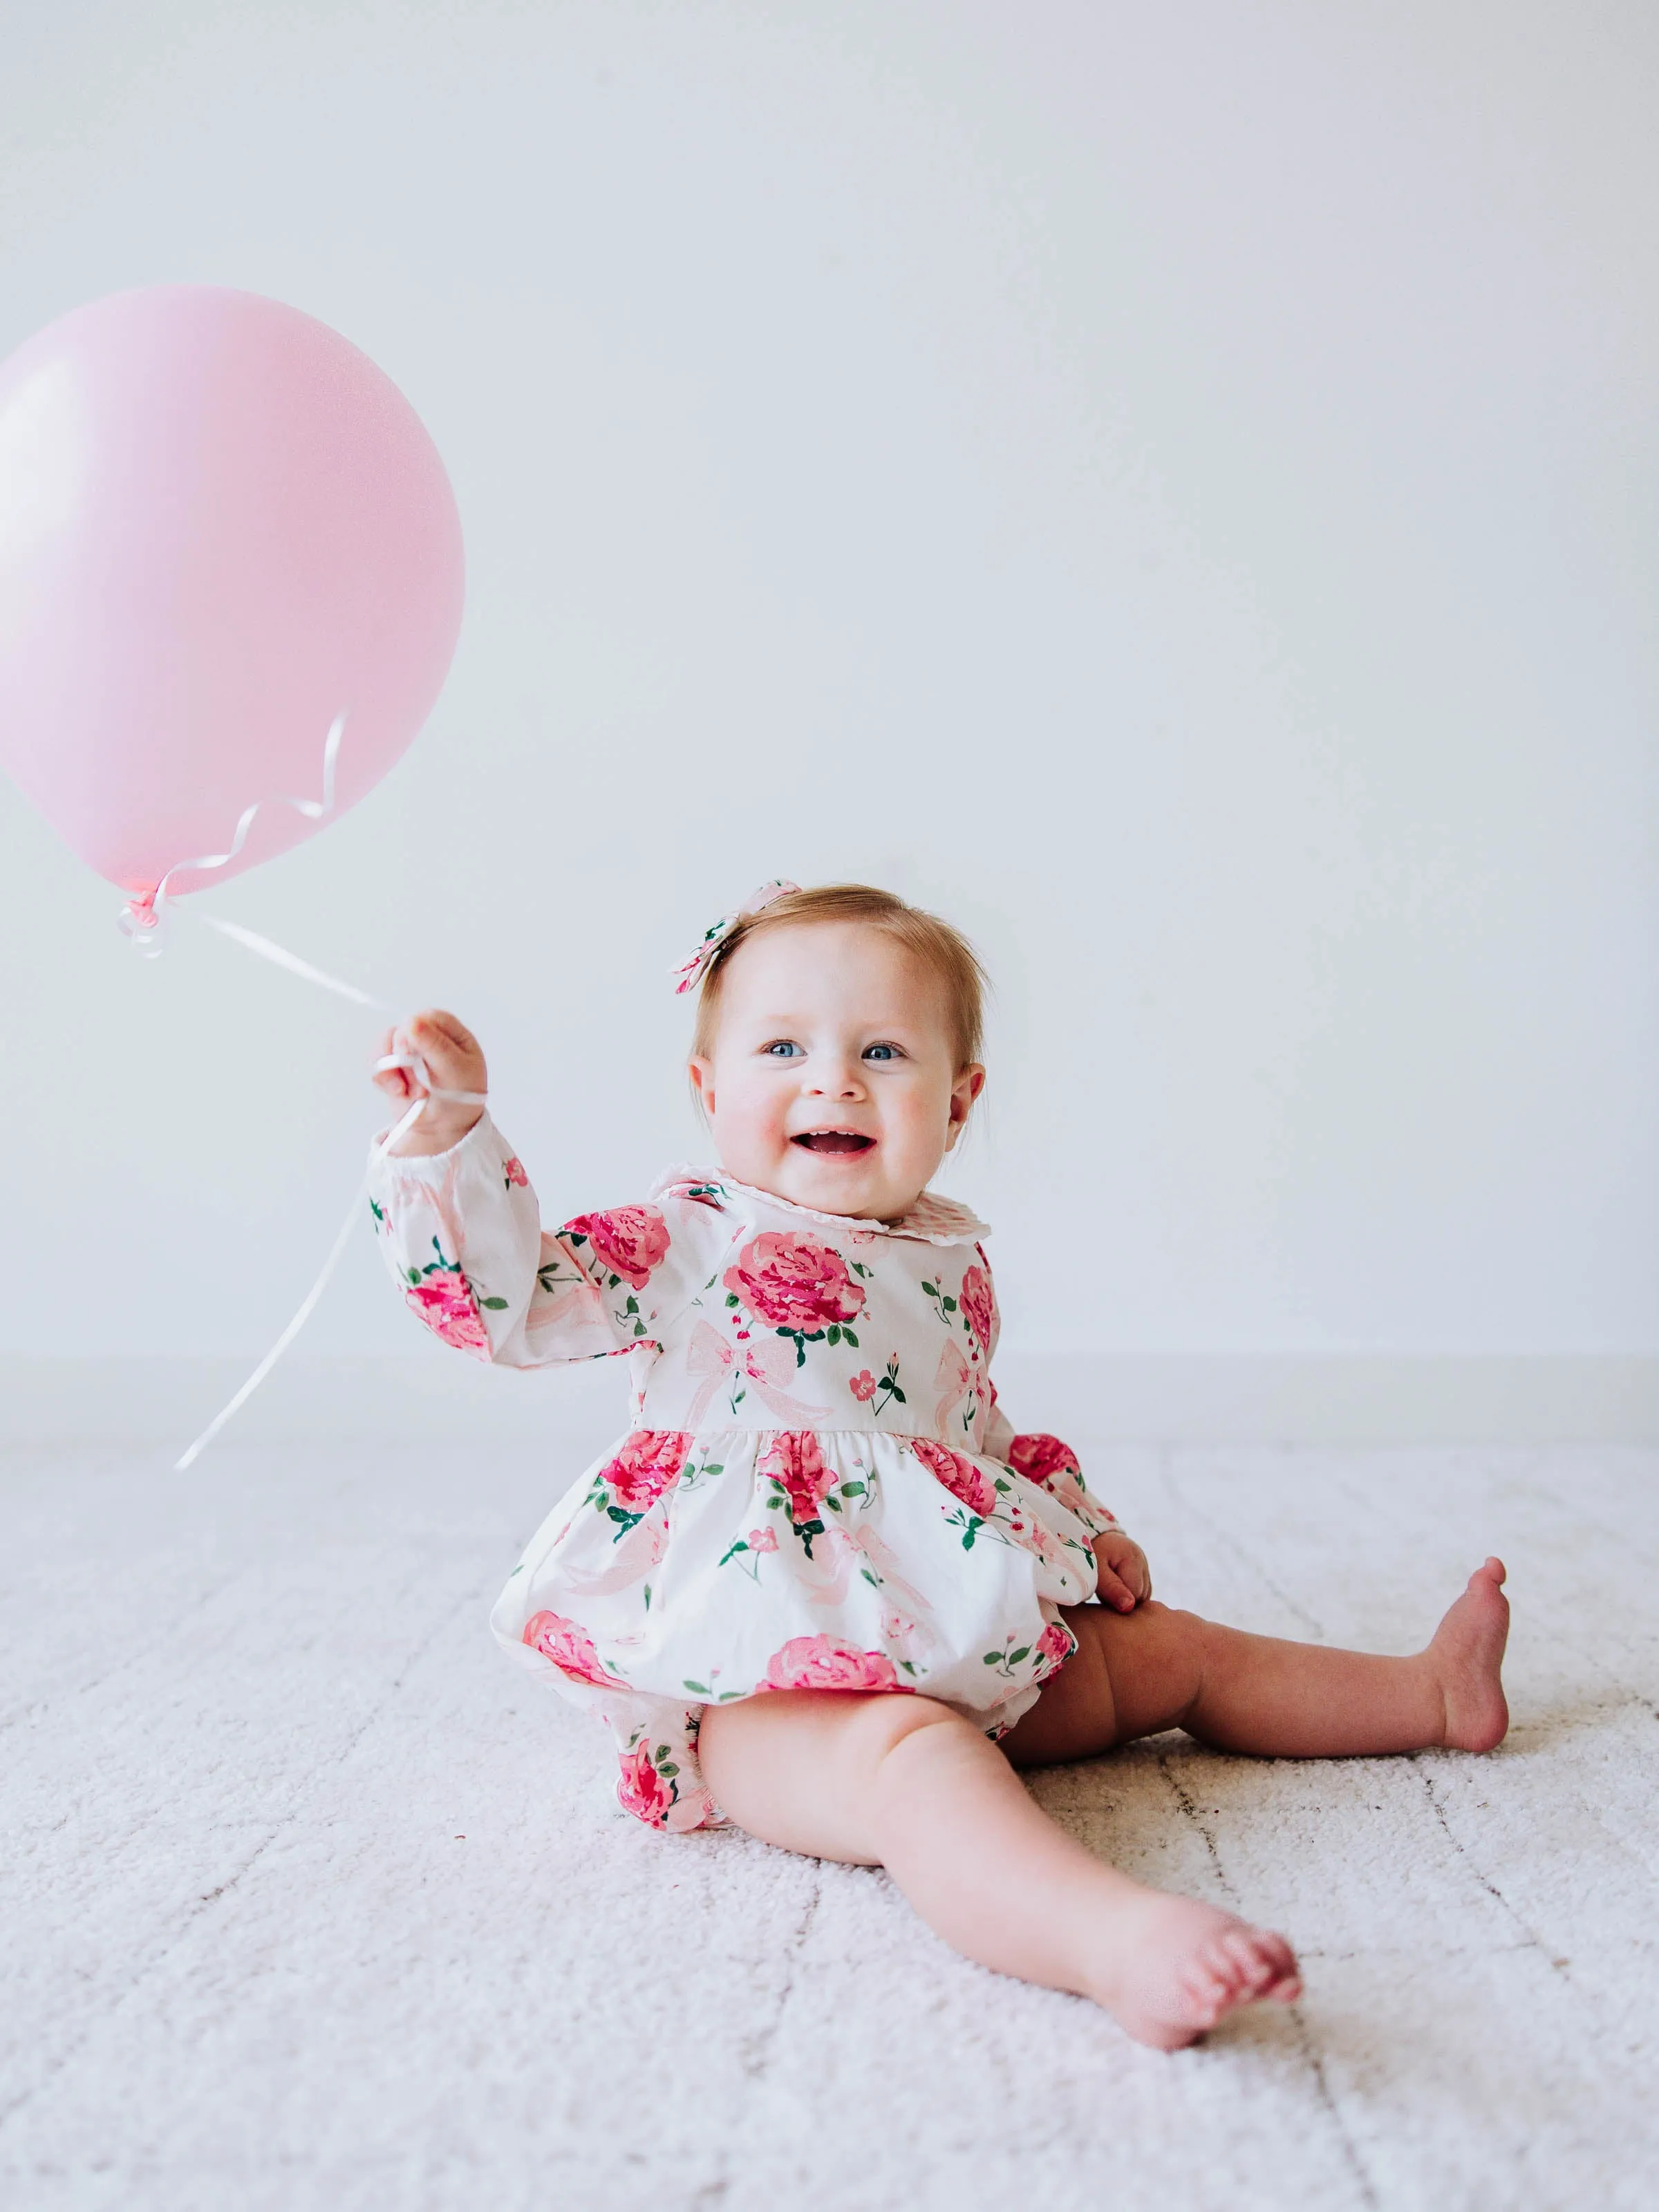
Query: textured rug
{"points": [[312, 1901]]}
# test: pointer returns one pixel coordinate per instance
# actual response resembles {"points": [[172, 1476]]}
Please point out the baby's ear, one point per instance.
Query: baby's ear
{"points": [[702, 1074], [964, 1092]]}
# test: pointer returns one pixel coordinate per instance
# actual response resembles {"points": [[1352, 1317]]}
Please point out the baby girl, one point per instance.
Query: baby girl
{"points": [[822, 1588]]}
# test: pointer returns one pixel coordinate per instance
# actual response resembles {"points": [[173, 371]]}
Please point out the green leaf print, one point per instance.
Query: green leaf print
{"points": [[496, 1305], [703, 1689]]}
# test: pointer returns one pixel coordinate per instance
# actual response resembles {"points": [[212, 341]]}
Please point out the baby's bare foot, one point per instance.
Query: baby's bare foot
{"points": [[1175, 1968], [1467, 1656]]}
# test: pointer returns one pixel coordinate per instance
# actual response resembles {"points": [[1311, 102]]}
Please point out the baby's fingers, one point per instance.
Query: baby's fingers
{"points": [[450, 1050], [394, 1081], [1113, 1589]]}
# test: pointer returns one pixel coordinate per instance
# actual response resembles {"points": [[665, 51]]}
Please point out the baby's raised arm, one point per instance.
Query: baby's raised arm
{"points": [[456, 1062], [460, 1228]]}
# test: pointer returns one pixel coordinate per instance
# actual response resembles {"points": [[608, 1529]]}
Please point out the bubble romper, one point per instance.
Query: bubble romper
{"points": [[818, 1489]]}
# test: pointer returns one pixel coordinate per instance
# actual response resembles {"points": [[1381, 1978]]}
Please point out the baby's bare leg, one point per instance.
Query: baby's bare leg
{"points": [[902, 1782], [1134, 1673]]}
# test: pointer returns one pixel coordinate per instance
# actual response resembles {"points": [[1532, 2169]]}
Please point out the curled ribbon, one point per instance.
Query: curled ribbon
{"points": [[141, 918], [689, 972]]}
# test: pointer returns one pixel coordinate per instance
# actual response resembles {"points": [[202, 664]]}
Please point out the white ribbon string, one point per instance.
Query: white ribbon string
{"points": [[308, 1305], [282, 958], [141, 918], [416, 1066]]}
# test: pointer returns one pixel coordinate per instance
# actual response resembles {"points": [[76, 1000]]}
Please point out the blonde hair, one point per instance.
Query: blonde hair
{"points": [[943, 951]]}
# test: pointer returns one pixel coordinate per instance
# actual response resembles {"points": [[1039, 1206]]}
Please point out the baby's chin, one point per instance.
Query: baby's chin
{"points": [[856, 1184]]}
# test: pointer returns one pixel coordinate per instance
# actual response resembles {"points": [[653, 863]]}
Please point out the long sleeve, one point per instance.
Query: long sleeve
{"points": [[462, 1237], [1049, 1463]]}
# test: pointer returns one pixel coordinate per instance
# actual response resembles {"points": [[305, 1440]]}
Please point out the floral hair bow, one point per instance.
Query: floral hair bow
{"points": [[690, 973]]}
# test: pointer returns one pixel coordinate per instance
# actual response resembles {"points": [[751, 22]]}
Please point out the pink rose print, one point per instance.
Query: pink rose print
{"points": [[1054, 1647], [863, 1387], [795, 1463], [1050, 1464], [980, 1305], [959, 1475], [513, 1170], [821, 1662], [641, 1789], [763, 1540], [1039, 1458], [794, 1282], [444, 1301], [645, 1464], [570, 1648], [629, 1240]]}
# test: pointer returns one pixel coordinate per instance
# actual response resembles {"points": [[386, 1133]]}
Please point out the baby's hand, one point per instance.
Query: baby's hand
{"points": [[456, 1063], [1125, 1579]]}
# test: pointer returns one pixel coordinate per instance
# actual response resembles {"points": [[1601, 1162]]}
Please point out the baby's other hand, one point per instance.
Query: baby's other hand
{"points": [[456, 1062], [1125, 1579]]}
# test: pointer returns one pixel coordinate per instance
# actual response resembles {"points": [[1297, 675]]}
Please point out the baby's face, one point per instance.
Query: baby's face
{"points": [[832, 1081]]}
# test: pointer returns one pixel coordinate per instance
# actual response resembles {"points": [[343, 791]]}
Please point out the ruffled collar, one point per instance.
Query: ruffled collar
{"points": [[932, 1220]]}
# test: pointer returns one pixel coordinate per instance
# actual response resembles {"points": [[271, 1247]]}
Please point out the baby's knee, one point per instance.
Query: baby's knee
{"points": [[882, 1724], [877, 1730]]}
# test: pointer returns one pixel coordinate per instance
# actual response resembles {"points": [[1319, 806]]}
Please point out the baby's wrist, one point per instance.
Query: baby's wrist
{"points": [[438, 1130]]}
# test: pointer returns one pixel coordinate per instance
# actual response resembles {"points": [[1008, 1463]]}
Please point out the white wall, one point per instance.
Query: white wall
{"points": [[1173, 488]]}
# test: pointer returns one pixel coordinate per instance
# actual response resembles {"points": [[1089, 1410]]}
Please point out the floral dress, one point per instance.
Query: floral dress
{"points": [[819, 1490]]}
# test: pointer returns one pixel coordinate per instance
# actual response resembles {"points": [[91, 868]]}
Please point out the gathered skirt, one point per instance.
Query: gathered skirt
{"points": [[682, 1572]]}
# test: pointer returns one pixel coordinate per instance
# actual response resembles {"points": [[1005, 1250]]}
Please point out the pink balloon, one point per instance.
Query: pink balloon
{"points": [[221, 527]]}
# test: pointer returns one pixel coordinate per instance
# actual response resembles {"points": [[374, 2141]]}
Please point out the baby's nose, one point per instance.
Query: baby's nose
{"points": [[842, 1080]]}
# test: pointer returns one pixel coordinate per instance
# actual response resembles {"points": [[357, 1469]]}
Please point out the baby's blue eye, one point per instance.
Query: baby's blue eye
{"points": [[782, 1049], [879, 1052]]}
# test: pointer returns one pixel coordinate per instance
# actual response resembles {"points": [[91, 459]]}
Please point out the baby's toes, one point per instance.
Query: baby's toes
{"points": [[1247, 1955], [1281, 1975], [1286, 1972], [1214, 1979]]}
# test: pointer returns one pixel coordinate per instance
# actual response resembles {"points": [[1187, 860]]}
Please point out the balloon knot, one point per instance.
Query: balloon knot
{"points": [[142, 926]]}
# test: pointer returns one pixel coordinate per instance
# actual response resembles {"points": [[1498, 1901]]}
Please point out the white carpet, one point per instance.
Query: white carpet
{"points": [[317, 1903]]}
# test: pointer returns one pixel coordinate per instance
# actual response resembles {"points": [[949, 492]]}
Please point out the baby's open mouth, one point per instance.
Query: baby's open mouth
{"points": [[832, 1140]]}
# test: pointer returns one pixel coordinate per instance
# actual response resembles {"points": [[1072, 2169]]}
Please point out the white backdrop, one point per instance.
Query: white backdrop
{"points": [[1173, 489]]}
